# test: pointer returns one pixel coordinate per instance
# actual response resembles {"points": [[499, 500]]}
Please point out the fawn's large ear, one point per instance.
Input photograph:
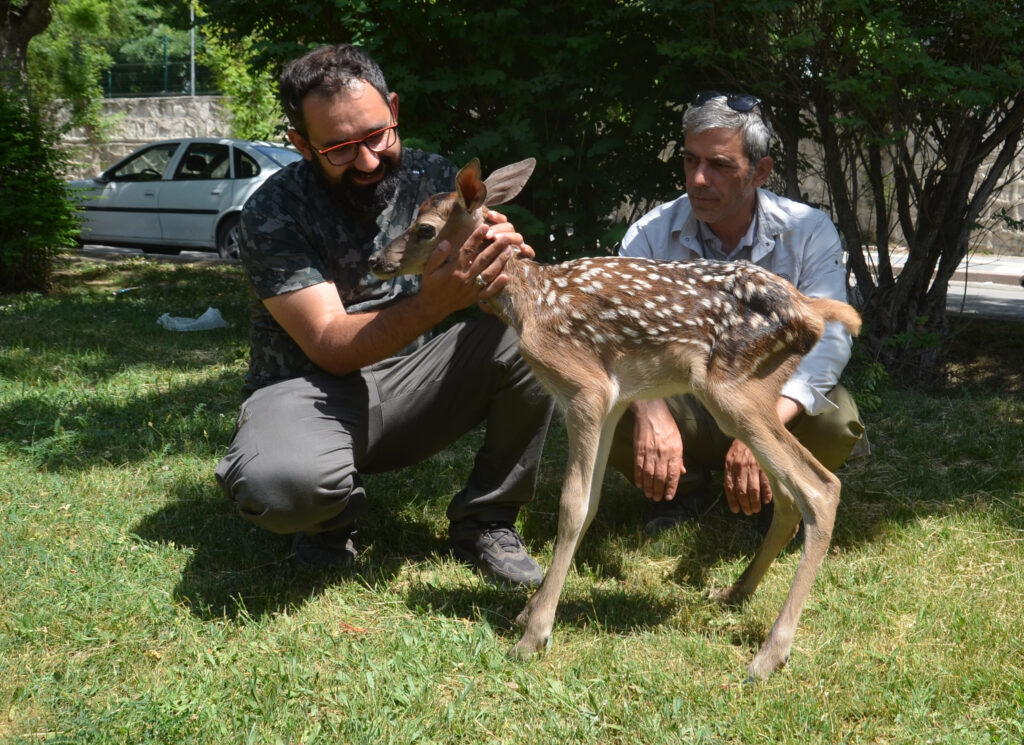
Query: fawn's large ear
{"points": [[504, 184], [471, 190]]}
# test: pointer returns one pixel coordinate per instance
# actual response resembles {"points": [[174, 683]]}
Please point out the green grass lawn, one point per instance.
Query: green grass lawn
{"points": [[136, 607]]}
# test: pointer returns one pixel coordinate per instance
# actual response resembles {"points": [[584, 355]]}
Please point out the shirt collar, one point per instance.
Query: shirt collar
{"points": [[769, 222], [712, 244]]}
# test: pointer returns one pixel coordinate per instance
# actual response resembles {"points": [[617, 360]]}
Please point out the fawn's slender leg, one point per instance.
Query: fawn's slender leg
{"points": [[797, 476], [802, 486], [590, 440], [818, 505], [785, 520]]}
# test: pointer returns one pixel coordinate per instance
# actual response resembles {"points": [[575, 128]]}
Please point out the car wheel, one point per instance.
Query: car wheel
{"points": [[228, 235]]}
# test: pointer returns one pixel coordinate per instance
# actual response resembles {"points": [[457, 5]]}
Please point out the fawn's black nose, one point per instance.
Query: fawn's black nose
{"points": [[380, 267]]}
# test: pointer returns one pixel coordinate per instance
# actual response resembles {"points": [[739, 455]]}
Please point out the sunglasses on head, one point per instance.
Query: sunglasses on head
{"points": [[742, 102]]}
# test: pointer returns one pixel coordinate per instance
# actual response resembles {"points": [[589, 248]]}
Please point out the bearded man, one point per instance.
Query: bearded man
{"points": [[347, 375]]}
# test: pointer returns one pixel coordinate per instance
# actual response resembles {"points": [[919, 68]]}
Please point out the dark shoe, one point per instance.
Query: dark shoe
{"points": [[664, 515], [331, 550], [497, 552]]}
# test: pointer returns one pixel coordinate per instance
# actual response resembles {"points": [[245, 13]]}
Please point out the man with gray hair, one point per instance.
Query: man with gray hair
{"points": [[669, 447]]}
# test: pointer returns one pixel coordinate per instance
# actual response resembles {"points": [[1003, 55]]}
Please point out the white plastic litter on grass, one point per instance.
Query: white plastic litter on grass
{"points": [[211, 319]]}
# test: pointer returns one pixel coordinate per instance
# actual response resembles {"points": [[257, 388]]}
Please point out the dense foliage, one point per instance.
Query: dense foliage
{"points": [[36, 218], [67, 61], [581, 86], [918, 109], [93, 47], [250, 94]]}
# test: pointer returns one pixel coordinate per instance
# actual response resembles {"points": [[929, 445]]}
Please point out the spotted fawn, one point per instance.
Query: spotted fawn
{"points": [[599, 333]]}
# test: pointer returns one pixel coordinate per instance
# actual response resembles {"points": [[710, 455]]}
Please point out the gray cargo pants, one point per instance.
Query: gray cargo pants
{"points": [[300, 445]]}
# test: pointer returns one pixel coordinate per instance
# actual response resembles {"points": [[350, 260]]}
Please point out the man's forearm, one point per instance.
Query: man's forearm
{"points": [[351, 341], [340, 342]]}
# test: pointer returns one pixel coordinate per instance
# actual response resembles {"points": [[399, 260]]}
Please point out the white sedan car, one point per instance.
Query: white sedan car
{"points": [[177, 194]]}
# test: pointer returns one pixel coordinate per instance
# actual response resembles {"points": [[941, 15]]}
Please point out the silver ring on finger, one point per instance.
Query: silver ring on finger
{"points": [[480, 281]]}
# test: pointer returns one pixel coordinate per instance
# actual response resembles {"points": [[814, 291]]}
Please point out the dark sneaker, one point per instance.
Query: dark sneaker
{"points": [[331, 550], [497, 552], [665, 515]]}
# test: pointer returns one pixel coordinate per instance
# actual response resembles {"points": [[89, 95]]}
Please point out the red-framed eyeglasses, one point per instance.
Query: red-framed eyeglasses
{"points": [[377, 141]]}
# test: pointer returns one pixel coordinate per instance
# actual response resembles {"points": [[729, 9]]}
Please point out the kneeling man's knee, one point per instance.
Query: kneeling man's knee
{"points": [[285, 499]]}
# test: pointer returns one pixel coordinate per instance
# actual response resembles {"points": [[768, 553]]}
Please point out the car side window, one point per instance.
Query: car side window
{"points": [[203, 161], [148, 165], [245, 167]]}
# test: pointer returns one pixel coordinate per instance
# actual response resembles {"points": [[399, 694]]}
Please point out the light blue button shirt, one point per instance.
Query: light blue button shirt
{"points": [[791, 239]]}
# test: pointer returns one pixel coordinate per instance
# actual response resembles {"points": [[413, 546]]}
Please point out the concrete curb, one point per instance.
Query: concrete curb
{"points": [[108, 253], [1000, 270], [993, 277]]}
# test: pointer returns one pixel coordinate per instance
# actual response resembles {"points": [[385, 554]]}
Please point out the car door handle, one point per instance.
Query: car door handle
{"points": [[149, 193]]}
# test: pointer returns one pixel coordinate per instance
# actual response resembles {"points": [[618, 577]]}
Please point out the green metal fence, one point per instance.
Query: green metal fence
{"points": [[171, 78]]}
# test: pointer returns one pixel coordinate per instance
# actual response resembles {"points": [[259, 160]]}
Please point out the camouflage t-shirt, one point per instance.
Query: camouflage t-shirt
{"points": [[294, 236]]}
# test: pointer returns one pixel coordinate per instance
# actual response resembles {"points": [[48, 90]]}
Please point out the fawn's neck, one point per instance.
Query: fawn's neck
{"points": [[524, 279]]}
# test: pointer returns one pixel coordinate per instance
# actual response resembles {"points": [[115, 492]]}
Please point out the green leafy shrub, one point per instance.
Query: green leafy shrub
{"points": [[250, 94], [36, 218]]}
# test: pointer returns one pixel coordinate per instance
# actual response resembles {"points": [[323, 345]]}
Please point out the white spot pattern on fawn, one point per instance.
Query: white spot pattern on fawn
{"points": [[709, 305]]}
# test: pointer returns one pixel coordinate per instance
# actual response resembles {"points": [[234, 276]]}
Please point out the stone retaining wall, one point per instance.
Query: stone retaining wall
{"points": [[136, 121], [1000, 239]]}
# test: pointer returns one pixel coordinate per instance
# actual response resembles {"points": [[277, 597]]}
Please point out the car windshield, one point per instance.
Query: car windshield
{"points": [[281, 156], [145, 165]]}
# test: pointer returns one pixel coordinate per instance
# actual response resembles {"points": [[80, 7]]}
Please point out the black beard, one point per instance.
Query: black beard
{"points": [[364, 201]]}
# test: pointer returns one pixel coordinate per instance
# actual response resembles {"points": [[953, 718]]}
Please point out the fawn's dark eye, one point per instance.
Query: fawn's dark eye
{"points": [[425, 232]]}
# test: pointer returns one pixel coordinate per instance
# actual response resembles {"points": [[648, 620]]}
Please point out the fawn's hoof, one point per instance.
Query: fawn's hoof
{"points": [[731, 595], [527, 647], [764, 664]]}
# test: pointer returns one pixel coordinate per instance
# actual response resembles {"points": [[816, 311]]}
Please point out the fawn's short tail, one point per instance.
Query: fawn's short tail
{"points": [[834, 310]]}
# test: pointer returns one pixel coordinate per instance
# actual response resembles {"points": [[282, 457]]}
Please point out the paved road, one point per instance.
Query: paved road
{"points": [[986, 300], [987, 287]]}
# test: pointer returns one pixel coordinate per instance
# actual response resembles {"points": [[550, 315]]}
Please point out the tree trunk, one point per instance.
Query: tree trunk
{"points": [[20, 23], [937, 203]]}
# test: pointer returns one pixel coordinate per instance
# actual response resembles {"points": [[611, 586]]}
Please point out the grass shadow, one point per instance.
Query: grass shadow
{"points": [[78, 432], [233, 569], [236, 570], [616, 610]]}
